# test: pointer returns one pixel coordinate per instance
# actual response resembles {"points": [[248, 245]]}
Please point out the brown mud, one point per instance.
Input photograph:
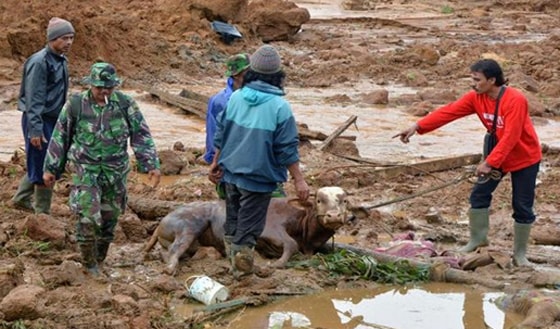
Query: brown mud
{"points": [[426, 45]]}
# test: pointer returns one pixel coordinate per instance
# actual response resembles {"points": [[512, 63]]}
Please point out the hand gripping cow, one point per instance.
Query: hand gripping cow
{"points": [[291, 226]]}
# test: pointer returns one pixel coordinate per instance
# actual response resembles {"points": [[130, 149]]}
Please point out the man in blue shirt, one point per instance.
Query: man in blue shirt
{"points": [[236, 66]]}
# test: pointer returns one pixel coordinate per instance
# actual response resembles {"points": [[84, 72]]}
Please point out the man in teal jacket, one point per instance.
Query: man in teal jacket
{"points": [[256, 144]]}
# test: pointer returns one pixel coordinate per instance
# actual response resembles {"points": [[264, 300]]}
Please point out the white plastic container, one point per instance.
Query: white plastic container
{"points": [[206, 290]]}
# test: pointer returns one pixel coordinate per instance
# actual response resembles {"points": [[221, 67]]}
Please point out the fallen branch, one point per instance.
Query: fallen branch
{"points": [[151, 209], [337, 132], [277, 293]]}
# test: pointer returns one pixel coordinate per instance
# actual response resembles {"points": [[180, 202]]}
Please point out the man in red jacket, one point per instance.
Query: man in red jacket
{"points": [[517, 151]]}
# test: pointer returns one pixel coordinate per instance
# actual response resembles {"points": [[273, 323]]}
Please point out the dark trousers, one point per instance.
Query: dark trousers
{"points": [[34, 156], [245, 215], [523, 183]]}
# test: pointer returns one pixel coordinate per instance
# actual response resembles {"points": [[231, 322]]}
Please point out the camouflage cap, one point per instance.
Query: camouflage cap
{"points": [[103, 75], [236, 64]]}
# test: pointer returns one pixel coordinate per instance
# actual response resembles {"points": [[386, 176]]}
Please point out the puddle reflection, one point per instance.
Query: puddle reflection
{"points": [[430, 306]]}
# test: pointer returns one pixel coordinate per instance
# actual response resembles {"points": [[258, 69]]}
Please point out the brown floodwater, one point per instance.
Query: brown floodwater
{"points": [[373, 129]]}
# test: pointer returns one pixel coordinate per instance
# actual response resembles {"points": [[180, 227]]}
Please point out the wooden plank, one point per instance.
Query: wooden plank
{"points": [[427, 166], [338, 131], [194, 106], [194, 96], [189, 105]]}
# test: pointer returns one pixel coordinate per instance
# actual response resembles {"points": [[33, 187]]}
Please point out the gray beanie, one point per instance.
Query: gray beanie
{"points": [[266, 60], [58, 27]]}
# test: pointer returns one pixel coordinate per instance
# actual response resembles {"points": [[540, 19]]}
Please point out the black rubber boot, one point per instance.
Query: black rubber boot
{"points": [[102, 249], [89, 257], [227, 246]]}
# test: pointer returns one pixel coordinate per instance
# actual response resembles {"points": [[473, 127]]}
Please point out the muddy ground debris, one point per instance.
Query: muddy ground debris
{"points": [[425, 46]]}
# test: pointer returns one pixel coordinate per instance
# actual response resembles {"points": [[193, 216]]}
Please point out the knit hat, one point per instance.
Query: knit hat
{"points": [[58, 27], [237, 64], [103, 75], [266, 60]]}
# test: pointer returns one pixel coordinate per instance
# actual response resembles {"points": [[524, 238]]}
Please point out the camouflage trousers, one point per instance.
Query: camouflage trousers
{"points": [[97, 201]]}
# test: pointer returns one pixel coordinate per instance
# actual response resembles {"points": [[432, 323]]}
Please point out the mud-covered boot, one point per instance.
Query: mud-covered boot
{"points": [[520, 240], [89, 257], [478, 226], [227, 245], [22, 199], [43, 197], [242, 260], [102, 249]]}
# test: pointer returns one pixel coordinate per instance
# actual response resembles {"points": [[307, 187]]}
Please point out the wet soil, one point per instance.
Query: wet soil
{"points": [[425, 47]]}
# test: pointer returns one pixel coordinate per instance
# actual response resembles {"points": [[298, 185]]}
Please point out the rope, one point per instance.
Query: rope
{"points": [[494, 174]]}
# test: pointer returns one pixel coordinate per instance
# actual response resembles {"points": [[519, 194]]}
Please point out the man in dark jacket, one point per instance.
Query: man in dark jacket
{"points": [[44, 87]]}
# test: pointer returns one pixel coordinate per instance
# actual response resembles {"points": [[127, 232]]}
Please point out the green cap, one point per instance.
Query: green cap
{"points": [[237, 64], [103, 75]]}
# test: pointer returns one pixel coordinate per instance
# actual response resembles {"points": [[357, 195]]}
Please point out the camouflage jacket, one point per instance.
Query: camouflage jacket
{"points": [[96, 140]]}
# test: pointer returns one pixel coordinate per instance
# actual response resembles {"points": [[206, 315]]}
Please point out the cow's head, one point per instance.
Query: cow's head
{"points": [[330, 207]]}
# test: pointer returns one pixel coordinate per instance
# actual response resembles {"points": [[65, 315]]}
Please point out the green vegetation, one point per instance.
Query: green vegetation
{"points": [[447, 9], [42, 246], [18, 324], [411, 76], [348, 263]]}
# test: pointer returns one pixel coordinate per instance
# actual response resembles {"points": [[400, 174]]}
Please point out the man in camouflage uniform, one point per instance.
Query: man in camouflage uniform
{"points": [[92, 133]]}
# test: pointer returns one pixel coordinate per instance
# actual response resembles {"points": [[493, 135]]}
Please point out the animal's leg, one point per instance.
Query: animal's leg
{"points": [[152, 241], [176, 250], [290, 247]]}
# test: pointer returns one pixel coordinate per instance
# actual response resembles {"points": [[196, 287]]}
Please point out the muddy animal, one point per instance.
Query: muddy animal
{"points": [[540, 307], [291, 226]]}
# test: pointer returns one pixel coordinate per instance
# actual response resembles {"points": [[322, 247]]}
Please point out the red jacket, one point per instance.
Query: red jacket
{"points": [[518, 144]]}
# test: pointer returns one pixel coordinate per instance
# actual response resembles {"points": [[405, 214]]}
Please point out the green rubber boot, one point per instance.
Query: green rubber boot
{"points": [[521, 234], [24, 193], [478, 225], [43, 197]]}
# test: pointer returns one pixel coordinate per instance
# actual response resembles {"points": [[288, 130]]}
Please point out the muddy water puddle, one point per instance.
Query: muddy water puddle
{"points": [[429, 306]]}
